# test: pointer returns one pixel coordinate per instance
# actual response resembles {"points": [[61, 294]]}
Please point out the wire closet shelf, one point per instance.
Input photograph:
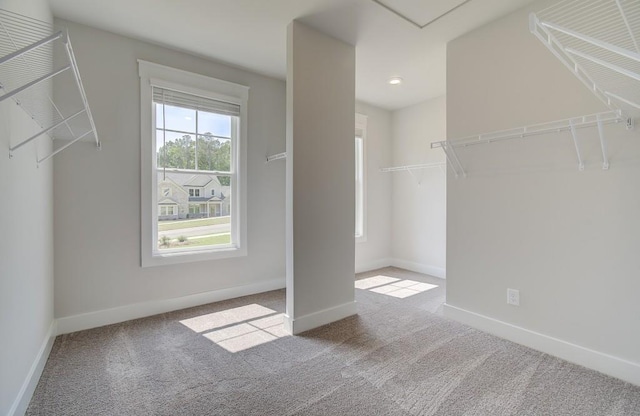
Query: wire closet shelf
{"points": [[571, 125], [32, 54], [598, 41]]}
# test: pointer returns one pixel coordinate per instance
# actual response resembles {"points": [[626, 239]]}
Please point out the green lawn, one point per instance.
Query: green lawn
{"points": [[209, 241], [200, 241], [180, 224]]}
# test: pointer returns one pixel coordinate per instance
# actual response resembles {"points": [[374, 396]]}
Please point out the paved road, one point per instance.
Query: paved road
{"points": [[196, 231]]}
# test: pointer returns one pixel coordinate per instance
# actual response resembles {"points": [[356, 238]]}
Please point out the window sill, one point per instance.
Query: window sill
{"points": [[164, 259]]}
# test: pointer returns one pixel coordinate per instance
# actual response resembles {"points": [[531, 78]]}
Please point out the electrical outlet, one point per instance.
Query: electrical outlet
{"points": [[513, 297]]}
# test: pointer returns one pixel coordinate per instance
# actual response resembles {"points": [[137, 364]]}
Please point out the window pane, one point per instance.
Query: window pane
{"points": [[359, 187], [175, 150], [214, 153], [199, 217], [159, 116], [177, 118], [214, 124]]}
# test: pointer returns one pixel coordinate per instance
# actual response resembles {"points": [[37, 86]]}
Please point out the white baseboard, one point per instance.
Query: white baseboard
{"points": [[419, 268], [373, 265], [604, 363], [140, 310], [314, 320], [30, 383]]}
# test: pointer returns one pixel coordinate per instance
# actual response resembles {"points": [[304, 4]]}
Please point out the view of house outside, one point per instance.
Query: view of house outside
{"points": [[193, 203]]}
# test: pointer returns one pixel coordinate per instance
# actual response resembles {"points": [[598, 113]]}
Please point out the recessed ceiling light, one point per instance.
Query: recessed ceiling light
{"points": [[395, 81]]}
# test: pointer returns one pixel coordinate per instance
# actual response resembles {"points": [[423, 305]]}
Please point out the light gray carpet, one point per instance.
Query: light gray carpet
{"points": [[399, 356]]}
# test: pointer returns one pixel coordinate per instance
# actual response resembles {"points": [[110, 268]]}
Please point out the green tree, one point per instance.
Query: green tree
{"points": [[212, 154]]}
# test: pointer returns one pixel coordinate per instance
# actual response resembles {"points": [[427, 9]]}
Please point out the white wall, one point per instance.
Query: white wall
{"points": [[320, 186], [375, 252], [97, 193], [418, 221], [26, 246], [526, 218]]}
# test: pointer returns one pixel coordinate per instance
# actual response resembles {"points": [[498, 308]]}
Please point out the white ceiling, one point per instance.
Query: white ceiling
{"points": [[252, 34]]}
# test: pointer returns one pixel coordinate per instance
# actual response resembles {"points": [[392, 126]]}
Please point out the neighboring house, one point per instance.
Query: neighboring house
{"points": [[185, 195]]}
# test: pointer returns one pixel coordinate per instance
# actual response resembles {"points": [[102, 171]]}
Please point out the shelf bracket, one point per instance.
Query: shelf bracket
{"points": [[452, 159], [55, 152], [603, 146], [83, 95], [449, 161], [455, 157], [47, 130], [414, 176], [572, 128]]}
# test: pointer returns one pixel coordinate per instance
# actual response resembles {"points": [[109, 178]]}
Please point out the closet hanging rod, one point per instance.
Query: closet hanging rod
{"points": [[412, 167], [608, 117], [277, 156]]}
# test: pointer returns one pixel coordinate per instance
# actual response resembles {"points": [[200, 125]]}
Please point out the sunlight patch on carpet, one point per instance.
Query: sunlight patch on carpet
{"points": [[374, 281], [238, 329], [225, 318], [393, 287]]}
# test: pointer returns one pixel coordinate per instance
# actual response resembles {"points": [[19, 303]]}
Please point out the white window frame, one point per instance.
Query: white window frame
{"points": [[361, 124], [152, 74]]}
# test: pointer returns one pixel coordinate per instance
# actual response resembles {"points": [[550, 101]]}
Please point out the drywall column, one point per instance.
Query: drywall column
{"points": [[320, 185]]}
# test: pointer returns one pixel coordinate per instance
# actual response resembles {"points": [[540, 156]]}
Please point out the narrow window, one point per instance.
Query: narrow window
{"points": [[360, 173]]}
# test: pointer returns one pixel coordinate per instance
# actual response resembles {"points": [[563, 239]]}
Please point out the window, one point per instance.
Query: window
{"points": [[194, 136], [361, 124], [167, 210], [213, 192]]}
